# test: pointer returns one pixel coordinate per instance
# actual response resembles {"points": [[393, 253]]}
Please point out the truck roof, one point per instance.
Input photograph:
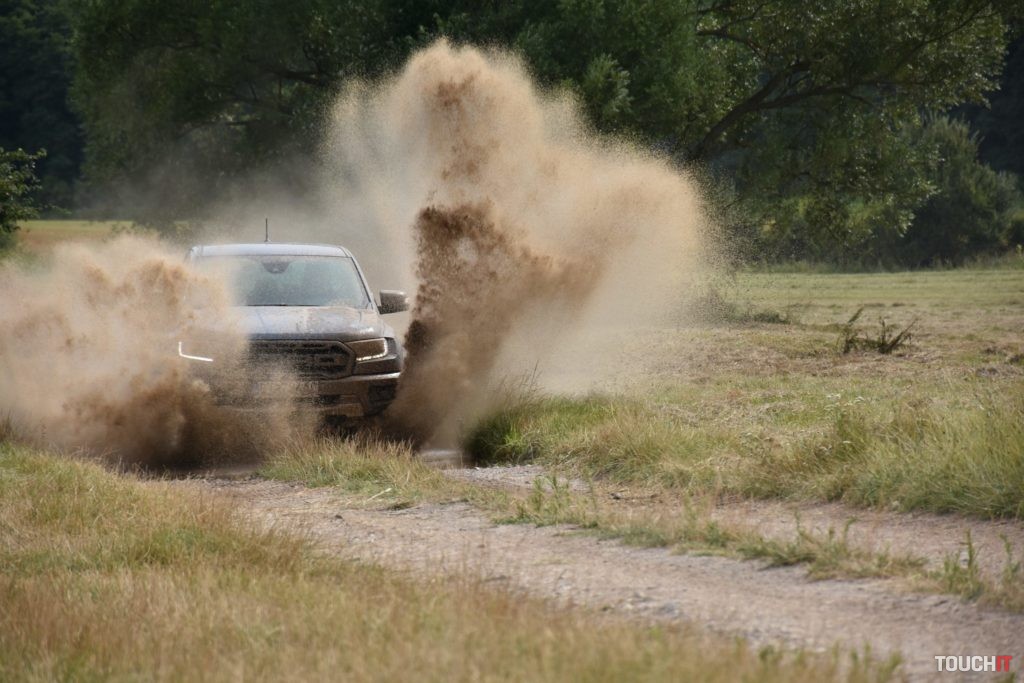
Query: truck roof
{"points": [[268, 249]]}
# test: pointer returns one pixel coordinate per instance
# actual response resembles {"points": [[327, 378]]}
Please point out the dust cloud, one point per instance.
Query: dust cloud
{"points": [[534, 247], [537, 246], [89, 360]]}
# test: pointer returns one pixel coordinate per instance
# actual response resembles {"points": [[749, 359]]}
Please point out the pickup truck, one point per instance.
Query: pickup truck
{"points": [[307, 308]]}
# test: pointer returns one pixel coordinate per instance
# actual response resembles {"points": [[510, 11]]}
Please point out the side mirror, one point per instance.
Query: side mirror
{"points": [[393, 301]]}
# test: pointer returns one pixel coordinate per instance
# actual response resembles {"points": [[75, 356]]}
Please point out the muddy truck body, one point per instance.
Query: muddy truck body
{"points": [[314, 332]]}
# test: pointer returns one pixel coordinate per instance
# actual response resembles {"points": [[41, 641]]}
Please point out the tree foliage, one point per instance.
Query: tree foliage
{"points": [[1001, 125], [970, 211], [184, 96], [35, 76], [802, 108], [17, 183]]}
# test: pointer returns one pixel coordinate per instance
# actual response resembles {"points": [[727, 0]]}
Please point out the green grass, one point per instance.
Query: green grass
{"points": [[691, 529], [937, 293], [386, 475], [738, 406], [364, 466], [767, 410], [953, 447], [104, 577], [391, 475]]}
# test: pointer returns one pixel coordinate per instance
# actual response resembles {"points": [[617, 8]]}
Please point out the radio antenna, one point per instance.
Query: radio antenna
{"points": [[266, 230]]}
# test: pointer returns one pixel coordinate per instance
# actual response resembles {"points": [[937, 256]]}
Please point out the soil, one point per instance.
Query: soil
{"points": [[930, 537], [778, 606]]}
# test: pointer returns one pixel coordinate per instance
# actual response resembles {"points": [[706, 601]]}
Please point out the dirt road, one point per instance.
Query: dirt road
{"points": [[767, 606], [928, 536]]}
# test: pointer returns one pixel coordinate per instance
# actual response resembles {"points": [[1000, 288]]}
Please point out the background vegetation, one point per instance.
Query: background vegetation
{"points": [[764, 400], [855, 132]]}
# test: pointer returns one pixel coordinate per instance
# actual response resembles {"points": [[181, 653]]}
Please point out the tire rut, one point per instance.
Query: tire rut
{"points": [[931, 537], [778, 606]]}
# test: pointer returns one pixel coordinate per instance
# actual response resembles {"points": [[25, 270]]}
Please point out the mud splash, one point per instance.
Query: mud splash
{"points": [[526, 237], [88, 359], [476, 282], [529, 233]]}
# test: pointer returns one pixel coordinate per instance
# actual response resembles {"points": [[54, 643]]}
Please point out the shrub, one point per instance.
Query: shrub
{"points": [[17, 182], [972, 210]]}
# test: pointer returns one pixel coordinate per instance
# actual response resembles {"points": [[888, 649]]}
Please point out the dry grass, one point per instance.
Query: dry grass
{"points": [[759, 409], [365, 465], [39, 236], [766, 410], [650, 517], [959, 449], [109, 578], [688, 525]]}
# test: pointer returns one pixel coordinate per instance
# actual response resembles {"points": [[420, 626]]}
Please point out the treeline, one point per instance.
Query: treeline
{"points": [[851, 131]]}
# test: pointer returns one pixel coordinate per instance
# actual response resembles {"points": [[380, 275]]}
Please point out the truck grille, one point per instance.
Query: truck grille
{"points": [[308, 359]]}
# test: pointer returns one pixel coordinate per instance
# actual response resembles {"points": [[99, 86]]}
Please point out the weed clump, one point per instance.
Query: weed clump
{"points": [[886, 340]]}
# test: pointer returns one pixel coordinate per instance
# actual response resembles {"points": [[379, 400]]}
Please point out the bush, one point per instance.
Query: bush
{"points": [[949, 208], [972, 210], [17, 182]]}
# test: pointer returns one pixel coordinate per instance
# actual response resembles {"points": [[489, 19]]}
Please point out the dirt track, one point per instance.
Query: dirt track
{"points": [[927, 536], [767, 606]]}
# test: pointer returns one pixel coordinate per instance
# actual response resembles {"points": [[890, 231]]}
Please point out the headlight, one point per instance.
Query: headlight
{"points": [[182, 354], [369, 349]]}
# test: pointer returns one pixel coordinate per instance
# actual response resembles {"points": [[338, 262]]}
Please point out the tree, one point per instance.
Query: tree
{"points": [[970, 211], [803, 108], [35, 77], [17, 182], [1000, 126], [817, 138], [190, 94], [800, 106]]}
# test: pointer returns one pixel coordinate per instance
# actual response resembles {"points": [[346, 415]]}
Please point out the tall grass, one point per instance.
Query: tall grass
{"points": [[363, 465], [966, 458], [941, 454], [109, 578]]}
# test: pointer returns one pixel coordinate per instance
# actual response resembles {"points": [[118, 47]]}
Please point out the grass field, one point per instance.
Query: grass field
{"points": [[40, 235], [752, 394], [758, 399], [733, 406], [105, 577]]}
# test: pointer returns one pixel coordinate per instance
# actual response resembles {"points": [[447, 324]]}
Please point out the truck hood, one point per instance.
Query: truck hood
{"points": [[341, 323]]}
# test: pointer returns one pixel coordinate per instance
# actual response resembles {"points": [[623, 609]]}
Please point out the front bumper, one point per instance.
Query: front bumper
{"points": [[352, 397], [320, 376]]}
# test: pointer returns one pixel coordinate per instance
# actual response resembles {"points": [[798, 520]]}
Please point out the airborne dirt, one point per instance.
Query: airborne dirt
{"points": [[767, 606], [476, 283], [514, 218], [517, 223], [520, 227], [88, 358]]}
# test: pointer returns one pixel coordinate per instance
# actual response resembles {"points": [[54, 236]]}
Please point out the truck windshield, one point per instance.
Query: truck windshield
{"points": [[271, 280]]}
